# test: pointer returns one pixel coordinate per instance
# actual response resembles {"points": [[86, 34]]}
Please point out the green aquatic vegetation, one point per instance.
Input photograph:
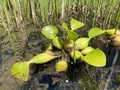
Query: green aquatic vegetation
{"points": [[76, 55], [117, 78], [50, 31], [75, 24], [95, 32], [61, 65], [82, 43], [87, 50], [21, 69], [95, 58], [73, 45], [58, 42]]}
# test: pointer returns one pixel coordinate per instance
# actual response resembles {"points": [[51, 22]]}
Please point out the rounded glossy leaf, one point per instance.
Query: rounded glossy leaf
{"points": [[95, 58], [50, 31], [95, 32], [82, 43], [58, 42], [21, 70], [75, 24]]}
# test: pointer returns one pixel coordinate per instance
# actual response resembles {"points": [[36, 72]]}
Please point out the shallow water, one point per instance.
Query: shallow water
{"points": [[44, 76]]}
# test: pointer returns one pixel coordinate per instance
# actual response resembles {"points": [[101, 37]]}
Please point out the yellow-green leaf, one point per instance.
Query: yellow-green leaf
{"points": [[61, 65], [76, 54], [75, 24], [110, 31], [58, 42], [68, 44], [87, 50], [82, 43], [21, 70], [95, 58], [95, 32], [44, 57], [72, 35], [50, 31], [65, 26]]}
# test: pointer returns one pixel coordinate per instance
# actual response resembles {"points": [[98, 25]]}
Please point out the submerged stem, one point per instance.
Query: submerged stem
{"points": [[111, 70]]}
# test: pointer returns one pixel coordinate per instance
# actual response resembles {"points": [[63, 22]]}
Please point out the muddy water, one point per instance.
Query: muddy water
{"points": [[10, 55], [44, 77]]}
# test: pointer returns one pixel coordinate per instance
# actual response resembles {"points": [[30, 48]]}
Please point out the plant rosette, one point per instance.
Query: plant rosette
{"points": [[78, 48]]}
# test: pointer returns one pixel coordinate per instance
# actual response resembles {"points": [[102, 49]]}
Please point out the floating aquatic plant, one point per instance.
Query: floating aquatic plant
{"points": [[76, 47]]}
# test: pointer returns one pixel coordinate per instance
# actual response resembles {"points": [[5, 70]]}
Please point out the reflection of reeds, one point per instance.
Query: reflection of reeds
{"points": [[54, 10], [101, 13], [5, 20], [3, 5]]}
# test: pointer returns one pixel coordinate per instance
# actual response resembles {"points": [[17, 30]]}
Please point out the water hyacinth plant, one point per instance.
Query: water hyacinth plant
{"points": [[78, 48]]}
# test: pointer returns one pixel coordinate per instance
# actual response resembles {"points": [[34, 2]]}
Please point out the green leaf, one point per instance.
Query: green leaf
{"points": [[65, 26], [76, 54], [50, 31], [87, 50], [44, 57], [68, 44], [95, 58], [75, 24], [95, 32], [21, 70], [58, 42], [82, 43], [110, 31], [46, 47], [72, 35]]}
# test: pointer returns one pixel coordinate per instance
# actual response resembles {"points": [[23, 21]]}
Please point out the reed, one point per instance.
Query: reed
{"points": [[3, 5], [101, 13]]}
